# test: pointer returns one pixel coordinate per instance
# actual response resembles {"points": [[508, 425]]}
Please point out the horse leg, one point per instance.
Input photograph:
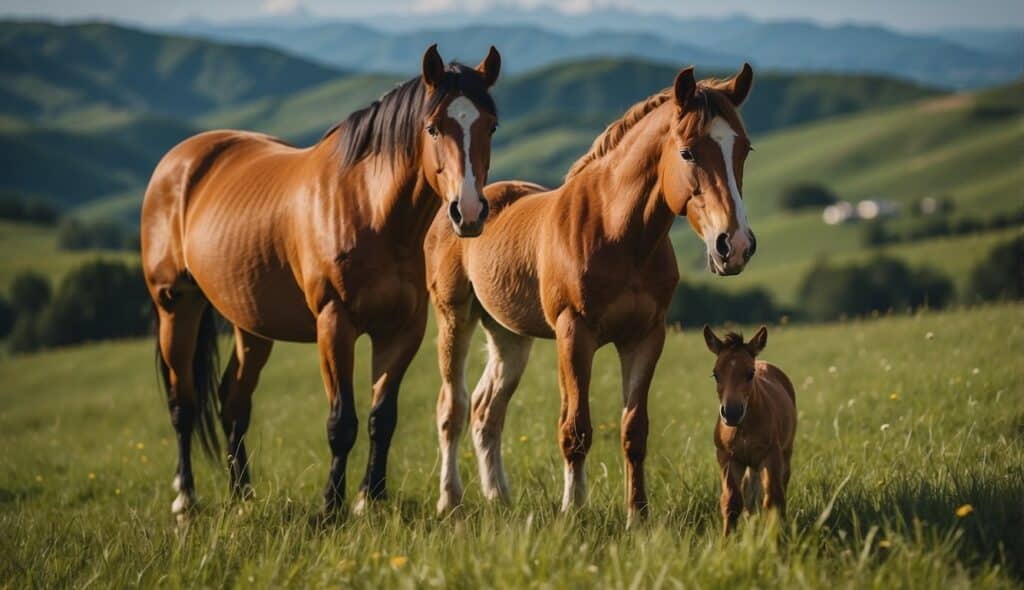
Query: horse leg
{"points": [[336, 340], [732, 491], [576, 346], [178, 336], [236, 387], [455, 326], [508, 353], [638, 361], [391, 357]]}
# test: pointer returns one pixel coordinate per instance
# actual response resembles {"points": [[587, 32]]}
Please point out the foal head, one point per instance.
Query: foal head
{"points": [[456, 135], [702, 164], [734, 371]]}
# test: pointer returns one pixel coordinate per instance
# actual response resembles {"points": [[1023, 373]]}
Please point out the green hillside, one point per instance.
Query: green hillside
{"points": [[49, 70], [967, 146]]}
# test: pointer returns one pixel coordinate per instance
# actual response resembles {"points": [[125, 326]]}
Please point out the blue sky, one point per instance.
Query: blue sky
{"points": [[901, 14]]}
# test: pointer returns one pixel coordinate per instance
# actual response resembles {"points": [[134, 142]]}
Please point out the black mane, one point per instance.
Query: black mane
{"points": [[391, 123]]}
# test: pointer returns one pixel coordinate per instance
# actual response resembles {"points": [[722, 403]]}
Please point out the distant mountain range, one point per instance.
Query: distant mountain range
{"points": [[536, 37]]}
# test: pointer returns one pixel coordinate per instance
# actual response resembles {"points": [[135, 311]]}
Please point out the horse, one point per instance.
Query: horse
{"points": [[321, 244], [757, 424], [587, 264]]}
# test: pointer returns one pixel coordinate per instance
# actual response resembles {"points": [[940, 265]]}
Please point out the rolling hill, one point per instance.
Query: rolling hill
{"points": [[49, 70]]}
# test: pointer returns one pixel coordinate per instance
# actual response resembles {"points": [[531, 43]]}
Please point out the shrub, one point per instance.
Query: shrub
{"points": [[73, 234], [15, 208], [695, 305], [30, 292], [802, 196], [882, 284], [7, 316], [1000, 274], [96, 301]]}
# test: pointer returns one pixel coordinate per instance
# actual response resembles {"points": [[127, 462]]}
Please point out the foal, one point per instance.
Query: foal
{"points": [[756, 426]]}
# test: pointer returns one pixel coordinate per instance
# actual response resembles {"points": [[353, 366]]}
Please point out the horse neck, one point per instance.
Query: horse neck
{"points": [[399, 202], [628, 194]]}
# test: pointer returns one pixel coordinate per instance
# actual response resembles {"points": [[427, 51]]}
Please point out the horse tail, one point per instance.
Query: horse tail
{"points": [[205, 376]]}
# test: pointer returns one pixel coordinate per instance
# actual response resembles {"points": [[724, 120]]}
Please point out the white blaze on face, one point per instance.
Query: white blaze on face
{"points": [[464, 112], [725, 136]]}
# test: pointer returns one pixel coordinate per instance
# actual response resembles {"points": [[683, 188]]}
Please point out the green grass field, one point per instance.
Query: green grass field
{"points": [[898, 429]]}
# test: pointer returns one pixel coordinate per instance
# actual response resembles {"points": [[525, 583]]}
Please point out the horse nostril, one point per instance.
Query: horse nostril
{"points": [[484, 210], [454, 213], [732, 413], [722, 245], [753, 245]]}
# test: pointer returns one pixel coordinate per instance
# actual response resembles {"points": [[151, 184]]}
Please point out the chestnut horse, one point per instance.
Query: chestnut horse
{"points": [[589, 263], [319, 244], [754, 437]]}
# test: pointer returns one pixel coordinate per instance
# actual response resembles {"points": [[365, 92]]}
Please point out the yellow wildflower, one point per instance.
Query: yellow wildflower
{"points": [[399, 561], [964, 510]]}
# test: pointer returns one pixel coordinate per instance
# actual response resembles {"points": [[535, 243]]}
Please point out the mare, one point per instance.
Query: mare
{"points": [[321, 244], [587, 264]]}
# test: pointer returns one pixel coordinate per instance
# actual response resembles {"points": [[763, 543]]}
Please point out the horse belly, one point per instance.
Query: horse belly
{"points": [[251, 286], [511, 296]]}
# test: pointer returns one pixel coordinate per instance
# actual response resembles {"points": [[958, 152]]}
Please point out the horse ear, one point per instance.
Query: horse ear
{"points": [[714, 344], [758, 342], [738, 88], [433, 67], [490, 67], [685, 86]]}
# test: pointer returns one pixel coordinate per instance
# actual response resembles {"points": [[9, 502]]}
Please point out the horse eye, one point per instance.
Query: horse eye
{"points": [[715, 376], [432, 130], [493, 129], [750, 148], [686, 155]]}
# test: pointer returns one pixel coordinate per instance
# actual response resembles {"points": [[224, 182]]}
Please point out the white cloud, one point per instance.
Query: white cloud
{"points": [[279, 6]]}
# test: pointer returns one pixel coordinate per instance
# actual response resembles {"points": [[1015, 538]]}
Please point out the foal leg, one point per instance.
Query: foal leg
{"points": [[773, 479], [732, 491], [336, 339], [508, 353], [236, 387], [179, 331], [576, 346], [392, 354], [638, 361], [455, 324]]}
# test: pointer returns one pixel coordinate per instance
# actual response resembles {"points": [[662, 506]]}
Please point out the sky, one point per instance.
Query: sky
{"points": [[908, 15]]}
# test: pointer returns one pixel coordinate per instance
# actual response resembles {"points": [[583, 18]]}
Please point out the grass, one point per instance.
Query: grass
{"points": [[897, 430]]}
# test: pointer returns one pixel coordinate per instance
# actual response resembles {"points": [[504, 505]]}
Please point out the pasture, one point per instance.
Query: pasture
{"points": [[908, 472]]}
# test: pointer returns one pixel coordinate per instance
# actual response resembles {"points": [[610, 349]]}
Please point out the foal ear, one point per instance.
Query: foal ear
{"points": [[433, 67], [714, 344], [758, 342], [490, 67], [684, 88], [738, 88]]}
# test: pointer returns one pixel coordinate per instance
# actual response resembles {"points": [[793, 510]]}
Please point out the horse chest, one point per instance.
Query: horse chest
{"points": [[377, 291], [742, 446]]}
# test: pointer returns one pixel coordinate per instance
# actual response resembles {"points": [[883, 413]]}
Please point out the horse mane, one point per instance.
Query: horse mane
{"points": [[707, 99], [732, 340], [390, 124]]}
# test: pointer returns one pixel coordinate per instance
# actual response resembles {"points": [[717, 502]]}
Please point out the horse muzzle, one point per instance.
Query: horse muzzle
{"points": [[463, 226]]}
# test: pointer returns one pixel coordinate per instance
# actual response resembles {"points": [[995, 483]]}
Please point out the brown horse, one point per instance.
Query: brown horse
{"points": [[319, 244], [757, 405], [588, 264]]}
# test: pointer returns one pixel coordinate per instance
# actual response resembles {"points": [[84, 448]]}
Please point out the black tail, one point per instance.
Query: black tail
{"points": [[206, 374]]}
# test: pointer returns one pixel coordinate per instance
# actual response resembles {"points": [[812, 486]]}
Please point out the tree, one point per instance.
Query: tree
{"points": [[803, 196]]}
